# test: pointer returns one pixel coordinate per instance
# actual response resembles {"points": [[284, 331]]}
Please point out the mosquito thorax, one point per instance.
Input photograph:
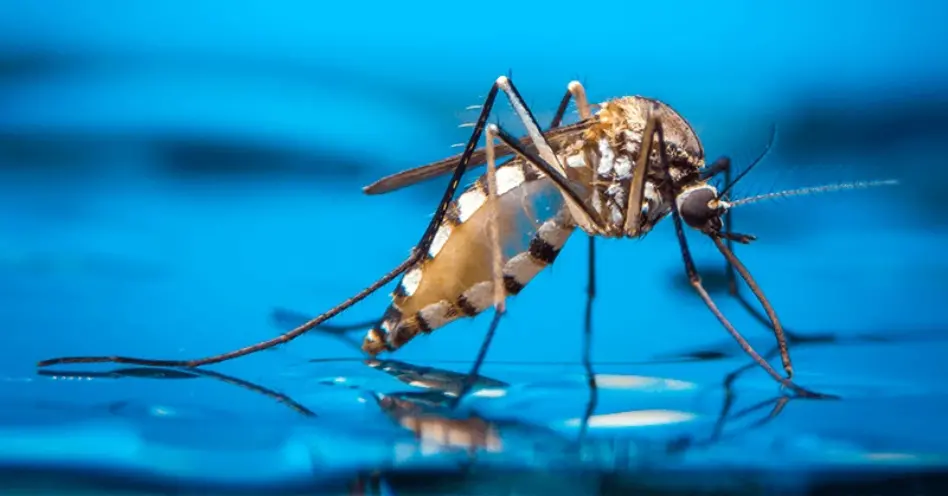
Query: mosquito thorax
{"points": [[700, 208]]}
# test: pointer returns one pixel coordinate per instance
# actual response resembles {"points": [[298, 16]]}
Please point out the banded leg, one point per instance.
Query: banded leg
{"points": [[578, 93], [497, 270], [653, 128], [493, 229], [417, 253]]}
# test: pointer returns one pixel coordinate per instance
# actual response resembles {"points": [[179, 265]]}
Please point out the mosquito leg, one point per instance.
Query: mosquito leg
{"points": [[497, 264], [724, 165], [733, 265], [417, 253], [587, 341], [566, 190], [695, 280], [481, 354], [492, 132], [547, 163], [288, 319], [692, 271], [497, 260], [576, 92], [775, 324], [263, 345]]}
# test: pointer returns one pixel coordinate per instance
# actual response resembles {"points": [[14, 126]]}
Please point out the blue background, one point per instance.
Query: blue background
{"points": [[170, 172]]}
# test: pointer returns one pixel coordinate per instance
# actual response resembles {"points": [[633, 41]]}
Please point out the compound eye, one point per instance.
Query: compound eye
{"points": [[695, 207]]}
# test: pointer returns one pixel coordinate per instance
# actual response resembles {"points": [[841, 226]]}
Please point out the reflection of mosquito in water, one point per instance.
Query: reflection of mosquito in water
{"points": [[180, 374], [431, 415], [439, 429], [627, 165], [434, 421]]}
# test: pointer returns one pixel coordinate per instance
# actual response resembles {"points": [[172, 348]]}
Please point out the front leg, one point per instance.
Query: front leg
{"points": [[654, 125]]}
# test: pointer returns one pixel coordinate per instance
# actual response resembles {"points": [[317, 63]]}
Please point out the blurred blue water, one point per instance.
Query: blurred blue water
{"points": [[170, 173]]}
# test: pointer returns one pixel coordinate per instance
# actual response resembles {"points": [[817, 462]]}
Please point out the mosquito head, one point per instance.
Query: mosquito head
{"points": [[700, 208]]}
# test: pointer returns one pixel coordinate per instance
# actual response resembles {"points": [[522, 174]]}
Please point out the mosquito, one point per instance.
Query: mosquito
{"points": [[615, 174]]}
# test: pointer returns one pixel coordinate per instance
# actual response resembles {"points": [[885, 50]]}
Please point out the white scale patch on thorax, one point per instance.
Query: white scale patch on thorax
{"points": [[651, 196], [607, 158], [606, 163], [623, 167]]}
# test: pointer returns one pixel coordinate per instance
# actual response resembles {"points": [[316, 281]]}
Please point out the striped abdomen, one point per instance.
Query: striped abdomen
{"points": [[454, 280]]}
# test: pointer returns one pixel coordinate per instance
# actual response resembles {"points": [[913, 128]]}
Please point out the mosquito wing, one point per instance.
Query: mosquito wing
{"points": [[557, 137]]}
